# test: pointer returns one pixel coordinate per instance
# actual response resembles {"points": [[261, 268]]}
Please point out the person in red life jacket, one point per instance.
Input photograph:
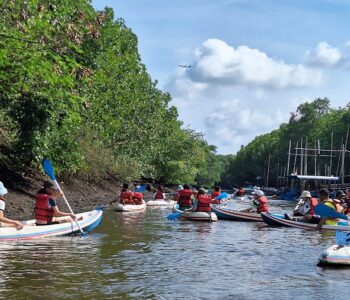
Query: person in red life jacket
{"points": [[46, 207], [203, 201], [185, 198], [6, 222], [159, 194], [240, 192], [176, 194], [346, 205], [125, 196], [306, 208], [260, 201], [215, 194], [137, 198]]}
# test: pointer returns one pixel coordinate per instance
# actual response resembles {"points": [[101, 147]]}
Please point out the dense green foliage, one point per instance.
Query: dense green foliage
{"points": [[73, 89], [311, 122]]}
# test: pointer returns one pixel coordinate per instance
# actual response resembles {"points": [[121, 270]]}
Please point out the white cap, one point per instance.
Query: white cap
{"points": [[179, 188], [305, 194], [258, 193], [3, 190]]}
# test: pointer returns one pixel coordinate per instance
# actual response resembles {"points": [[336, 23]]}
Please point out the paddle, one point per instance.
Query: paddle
{"points": [[48, 168], [223, 195], [176, 215], [327, 212]]}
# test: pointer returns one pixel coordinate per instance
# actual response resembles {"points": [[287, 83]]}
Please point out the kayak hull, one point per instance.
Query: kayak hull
{"points": [[90, 220], [195, 215], [279, 220], [233, 215], [131, 207], [160, 202], [336, 255]]}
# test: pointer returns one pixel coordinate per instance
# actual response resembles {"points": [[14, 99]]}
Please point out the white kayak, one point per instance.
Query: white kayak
{"points": [[158, 202], [131, 207], [336, 255], [195, 215], [88, 221]]}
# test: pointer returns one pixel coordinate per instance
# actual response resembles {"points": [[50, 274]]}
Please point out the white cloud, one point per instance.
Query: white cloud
{"points": [[234, 123], [216, 62], [324, 55]]}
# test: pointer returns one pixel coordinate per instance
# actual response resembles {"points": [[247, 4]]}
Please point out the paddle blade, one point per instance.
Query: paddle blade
{"points": [[174, 216], [342, 238], [222, 196], [327, 212], [48, 168]]}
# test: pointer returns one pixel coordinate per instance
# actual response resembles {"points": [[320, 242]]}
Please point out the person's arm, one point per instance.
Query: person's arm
{"points": [[321, 223], [58, 213], [17, 224]]}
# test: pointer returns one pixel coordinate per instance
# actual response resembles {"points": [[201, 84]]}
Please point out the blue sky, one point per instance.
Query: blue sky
{"points": [[252, 61]]}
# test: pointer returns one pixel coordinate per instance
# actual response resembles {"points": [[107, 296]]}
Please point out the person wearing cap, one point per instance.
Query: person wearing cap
{"points": [[46, 207], [6, 222], [306, 208], [185, 198], [203, 201], [260, 201], [332, 203], [176, 193]]}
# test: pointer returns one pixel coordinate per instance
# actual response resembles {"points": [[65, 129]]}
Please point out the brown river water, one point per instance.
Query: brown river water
{"points": [[145, 256]]}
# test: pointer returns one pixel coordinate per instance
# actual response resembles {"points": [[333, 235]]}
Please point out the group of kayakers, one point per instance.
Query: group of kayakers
{"points": [[307, 203], [45, 209]]}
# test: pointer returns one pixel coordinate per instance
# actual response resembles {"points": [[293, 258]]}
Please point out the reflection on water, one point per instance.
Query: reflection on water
{"points": [[144, 256]]}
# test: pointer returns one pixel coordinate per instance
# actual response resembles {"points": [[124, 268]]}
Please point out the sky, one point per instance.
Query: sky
{"points": [[253, 62]]}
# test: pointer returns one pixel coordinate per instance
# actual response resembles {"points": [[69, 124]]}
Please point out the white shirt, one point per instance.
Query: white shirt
{"points": [[2, 205]]}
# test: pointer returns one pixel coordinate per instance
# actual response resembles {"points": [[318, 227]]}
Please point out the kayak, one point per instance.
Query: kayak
{"points": [[226, 214], [195, 215], [89, 221], [336, 255], [280, 220], [131, 207], [159, 202]]}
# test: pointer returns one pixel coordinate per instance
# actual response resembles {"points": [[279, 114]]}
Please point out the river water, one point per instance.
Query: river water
{"points": [[145, 256]]}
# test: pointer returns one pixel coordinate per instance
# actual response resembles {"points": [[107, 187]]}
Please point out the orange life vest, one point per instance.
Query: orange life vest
{"points": [[263, 205], [204, 203], [313, 203], [42, 210], [185, 197]]}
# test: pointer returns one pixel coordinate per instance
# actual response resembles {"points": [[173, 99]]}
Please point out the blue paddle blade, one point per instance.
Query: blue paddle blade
{"points": [[222, 196], [48, 168], [342, 238], [174, 216], [328, 212]]}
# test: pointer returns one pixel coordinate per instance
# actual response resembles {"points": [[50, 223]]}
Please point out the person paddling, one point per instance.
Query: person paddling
{"points": [[159, 194], [215, 194], [332, 203], [260, 201], [203, 201], [185, 198], [6, 222], [46, 207]]}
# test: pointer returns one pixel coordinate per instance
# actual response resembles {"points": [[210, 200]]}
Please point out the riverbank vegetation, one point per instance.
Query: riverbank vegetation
{"points": [[73, 89]]}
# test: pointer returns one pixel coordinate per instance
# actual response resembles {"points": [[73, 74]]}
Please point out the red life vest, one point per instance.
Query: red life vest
{"points": [[176, 197], [126, 197], [240, 193], [42, 211], [313, 203], [263, 205], [159, 195], [214, 194], [137, 198], [185, 197], [204, 203]]}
